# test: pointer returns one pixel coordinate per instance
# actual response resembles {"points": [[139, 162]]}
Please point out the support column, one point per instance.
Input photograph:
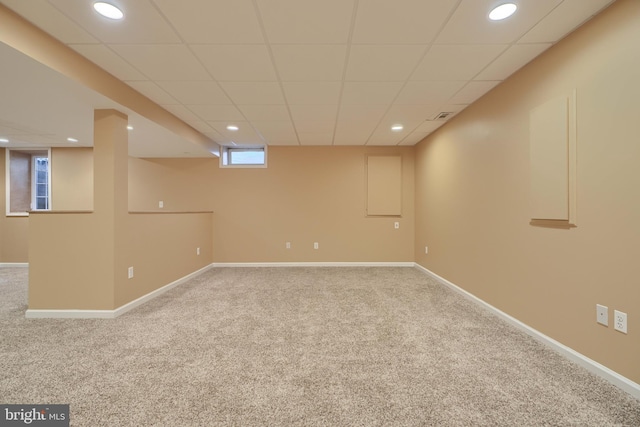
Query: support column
{"points": [[76, 259], [110, 183]]}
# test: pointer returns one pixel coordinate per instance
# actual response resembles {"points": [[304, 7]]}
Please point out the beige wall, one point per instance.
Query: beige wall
{"points": [[72, 189], [72, 179], [472, 195], [307, 195], [181, 184]]}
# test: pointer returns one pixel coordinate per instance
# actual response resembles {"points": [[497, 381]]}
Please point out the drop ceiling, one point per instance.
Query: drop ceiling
{"points": [[302, 72]]}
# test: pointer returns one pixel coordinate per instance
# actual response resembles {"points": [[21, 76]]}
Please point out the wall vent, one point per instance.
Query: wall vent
{"points": [[443, 115]]}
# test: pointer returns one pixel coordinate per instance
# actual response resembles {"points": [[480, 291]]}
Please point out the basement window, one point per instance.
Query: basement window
{"points": [[243, 157], [28, 178]]}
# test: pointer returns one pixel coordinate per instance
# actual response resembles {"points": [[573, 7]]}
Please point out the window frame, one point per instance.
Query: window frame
{"points": [[226, 155], [34, 153]]}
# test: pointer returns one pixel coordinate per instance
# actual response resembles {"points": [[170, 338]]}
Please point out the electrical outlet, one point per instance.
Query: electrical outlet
{"points": [[161, 204], [130, 272], [602, 314], [287, 245], [396, 225], [197, 251], [315, 245], [426, 249], [620, 321]]}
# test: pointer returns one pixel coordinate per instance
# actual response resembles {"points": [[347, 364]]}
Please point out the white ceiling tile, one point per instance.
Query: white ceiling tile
{"points": [[109, 61], [473, 91], [428, 93], [370, 93], [312, 93], [237, 63], [383, 62], [429, 126], [315, 126], [315, 138], [413, 138], [216, 112], [353, 133], [153, 92], [409, 116], [567, 16], [265, 112], [299, 62], [254, 93], [362, 113], [313, 112], [196, 92], [385, 139], [295, 21], [277, 133], [42, 14], [400, 21], [206, 21], [244, 135], [470, 22], [163, 62], [142, 22], [512, 60], [456, 62]]}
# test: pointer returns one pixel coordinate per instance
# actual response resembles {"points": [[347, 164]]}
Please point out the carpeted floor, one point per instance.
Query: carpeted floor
{"points": [[294, 347]]}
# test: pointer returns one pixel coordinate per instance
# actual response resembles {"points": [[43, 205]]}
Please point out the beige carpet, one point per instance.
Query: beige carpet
{"points": [[294, 347]]}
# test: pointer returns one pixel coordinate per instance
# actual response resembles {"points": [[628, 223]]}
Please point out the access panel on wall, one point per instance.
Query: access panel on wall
{"points": [[552, 133]]}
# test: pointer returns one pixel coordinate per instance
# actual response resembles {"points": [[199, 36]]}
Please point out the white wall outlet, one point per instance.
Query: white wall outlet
{"points": [[287, 245], [197, 251], [315, 245], [396, 225], [426, 249], [620, 321], [130, 272], [161, 204], [602, 314]]}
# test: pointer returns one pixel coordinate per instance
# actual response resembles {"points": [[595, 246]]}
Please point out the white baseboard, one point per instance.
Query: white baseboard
{"points": [[313, 264], [110, 314], [69, 314], [14, 264], [592, 366]]}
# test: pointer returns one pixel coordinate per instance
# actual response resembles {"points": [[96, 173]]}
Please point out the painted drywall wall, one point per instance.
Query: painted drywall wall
{"points": [[71, 187], [80, 260], [72, 179], [181, 184], [307, 195], [473, 207]]}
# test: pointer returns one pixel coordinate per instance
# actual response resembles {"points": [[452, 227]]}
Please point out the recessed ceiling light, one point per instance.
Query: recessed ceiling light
{"points": [[232, 128], [397, 128], [4, 140], [108, 10], [72, 140], [129, 127], [503, 11]]}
